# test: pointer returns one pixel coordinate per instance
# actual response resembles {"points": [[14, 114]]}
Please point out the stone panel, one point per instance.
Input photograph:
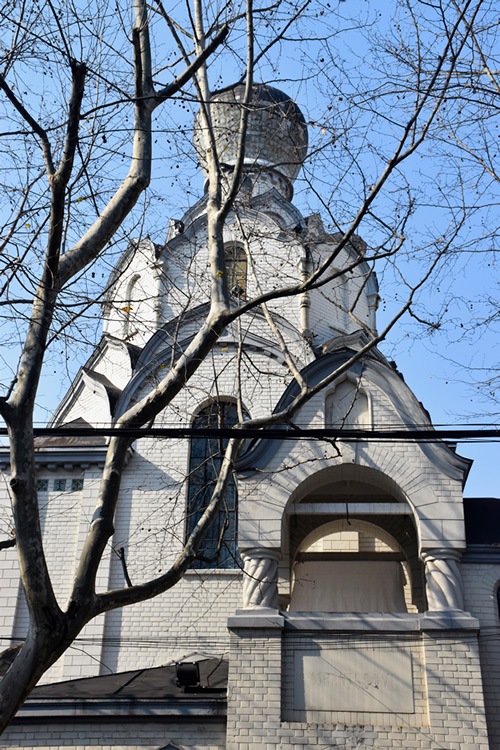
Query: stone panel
{"points": [[373, 678]]}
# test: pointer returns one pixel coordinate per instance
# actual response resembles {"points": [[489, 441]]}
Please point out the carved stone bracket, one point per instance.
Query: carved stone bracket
{"points": [[260, 578], [443, 575]]}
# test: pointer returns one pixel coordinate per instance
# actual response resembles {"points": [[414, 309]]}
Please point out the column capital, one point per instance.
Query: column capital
{"points": [[441, 553], [264, 553]]}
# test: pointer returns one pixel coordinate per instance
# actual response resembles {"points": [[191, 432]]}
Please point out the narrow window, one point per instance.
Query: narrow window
{"points": [[132, 299], [236, 268], [219, 548]]}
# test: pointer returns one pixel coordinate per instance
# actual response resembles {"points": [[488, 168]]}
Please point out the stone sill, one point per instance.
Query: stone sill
{"points": [[213, 572]]}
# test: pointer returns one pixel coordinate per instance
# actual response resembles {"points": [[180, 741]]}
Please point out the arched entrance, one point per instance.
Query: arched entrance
{"points": [[353, 546]]}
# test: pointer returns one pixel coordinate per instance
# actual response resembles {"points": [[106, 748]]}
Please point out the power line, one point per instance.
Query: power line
{"points": [[282, 432]]}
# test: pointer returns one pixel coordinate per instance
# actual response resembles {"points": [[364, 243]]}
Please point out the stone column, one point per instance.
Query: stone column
{"points": [[443, 575], [260, 578]]}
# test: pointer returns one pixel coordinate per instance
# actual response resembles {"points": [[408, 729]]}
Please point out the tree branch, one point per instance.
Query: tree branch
{"points": [[35, 126], [173, 88], [7, 543]]}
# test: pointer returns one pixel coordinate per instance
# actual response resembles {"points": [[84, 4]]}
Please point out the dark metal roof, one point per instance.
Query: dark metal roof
{"points": [[482, 520], [140, 684], [69, 441]]}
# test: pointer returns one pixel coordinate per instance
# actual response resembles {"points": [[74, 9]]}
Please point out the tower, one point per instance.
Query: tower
{"points": [[331, 580]]}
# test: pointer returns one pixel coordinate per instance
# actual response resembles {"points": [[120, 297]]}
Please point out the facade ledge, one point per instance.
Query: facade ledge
{"points": [[214, 573], [381, 622], [68, 458], [258, 618], [132, 710], [451, 619]]}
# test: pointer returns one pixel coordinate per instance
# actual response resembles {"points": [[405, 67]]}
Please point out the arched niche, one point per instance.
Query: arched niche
{"points": [[343, 524], [348, 479], [348, 406], [351, 566]]}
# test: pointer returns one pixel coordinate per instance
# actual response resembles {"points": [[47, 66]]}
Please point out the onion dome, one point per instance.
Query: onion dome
{"points": [[276, 139]]}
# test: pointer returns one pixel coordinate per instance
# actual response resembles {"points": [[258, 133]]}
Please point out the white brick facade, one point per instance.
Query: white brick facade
{"points": [[130, 736], [399, 503]]}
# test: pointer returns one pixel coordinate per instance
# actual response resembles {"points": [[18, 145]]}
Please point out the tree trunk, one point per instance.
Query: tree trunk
{"points": [[39, 651]]}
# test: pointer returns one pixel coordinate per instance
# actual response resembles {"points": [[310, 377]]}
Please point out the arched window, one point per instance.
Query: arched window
{"points": [[130, 308], [219, 547], [236, 268]]}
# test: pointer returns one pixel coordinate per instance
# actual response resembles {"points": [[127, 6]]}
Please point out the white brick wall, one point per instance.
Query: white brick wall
{"points": [[448, 712], [151, 288], [116, 736], [481, 582]]}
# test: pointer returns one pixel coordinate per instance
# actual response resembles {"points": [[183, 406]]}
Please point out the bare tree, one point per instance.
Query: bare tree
{"points": [[459, 187], [68, 227]]}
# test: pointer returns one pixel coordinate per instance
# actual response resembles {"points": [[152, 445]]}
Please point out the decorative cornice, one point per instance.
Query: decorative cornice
{"points": [[66, 458]]}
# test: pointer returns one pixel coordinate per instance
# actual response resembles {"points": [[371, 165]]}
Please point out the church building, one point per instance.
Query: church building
{"points": [[346, 595]]}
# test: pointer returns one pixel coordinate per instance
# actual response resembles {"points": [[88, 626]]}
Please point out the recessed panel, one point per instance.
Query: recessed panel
{"points": [[372, 679]]}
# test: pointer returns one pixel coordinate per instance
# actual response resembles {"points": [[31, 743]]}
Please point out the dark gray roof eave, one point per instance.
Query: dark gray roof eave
{"points": [[125, 709]]}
